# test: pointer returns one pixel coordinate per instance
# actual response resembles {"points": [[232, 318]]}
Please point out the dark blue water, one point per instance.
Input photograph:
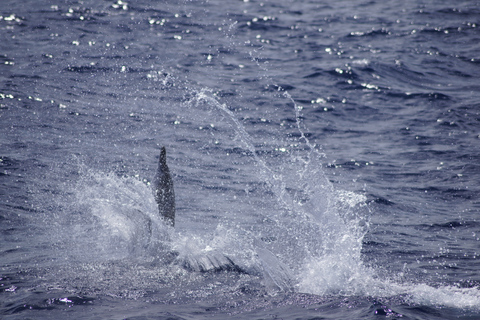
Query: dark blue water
{"points": [[331, 150]]}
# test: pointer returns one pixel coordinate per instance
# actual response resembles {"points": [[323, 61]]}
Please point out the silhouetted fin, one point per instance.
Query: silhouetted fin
{"points": [[164, 193]]}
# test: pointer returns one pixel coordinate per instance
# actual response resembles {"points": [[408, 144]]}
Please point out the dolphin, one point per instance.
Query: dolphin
{"points": [[163, 192], [165, 198], [275, 273]]}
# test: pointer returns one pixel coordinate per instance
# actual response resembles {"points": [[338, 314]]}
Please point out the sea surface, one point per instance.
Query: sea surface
{"points": [[325, 157]]}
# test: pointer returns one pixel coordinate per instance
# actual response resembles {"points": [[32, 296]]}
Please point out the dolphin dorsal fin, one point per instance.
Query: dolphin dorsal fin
{"points": [[164, 193]]}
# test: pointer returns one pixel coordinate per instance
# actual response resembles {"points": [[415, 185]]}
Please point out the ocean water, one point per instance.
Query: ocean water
{"points": [[325, 156]]}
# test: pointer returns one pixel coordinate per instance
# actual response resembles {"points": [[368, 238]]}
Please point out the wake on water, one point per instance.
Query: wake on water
{"points": [[114, 242]]}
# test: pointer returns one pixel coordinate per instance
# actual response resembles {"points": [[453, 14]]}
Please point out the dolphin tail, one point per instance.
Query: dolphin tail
{"points": [[164, 193]]}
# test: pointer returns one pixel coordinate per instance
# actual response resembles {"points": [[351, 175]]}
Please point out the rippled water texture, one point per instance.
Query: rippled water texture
{"points": [[325, 157]]}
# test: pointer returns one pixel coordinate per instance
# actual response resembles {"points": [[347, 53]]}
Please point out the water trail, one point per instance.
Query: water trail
{"points": [[319, 223]]}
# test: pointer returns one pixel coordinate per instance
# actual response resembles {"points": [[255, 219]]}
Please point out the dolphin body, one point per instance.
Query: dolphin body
{"points": [[165, 198]]}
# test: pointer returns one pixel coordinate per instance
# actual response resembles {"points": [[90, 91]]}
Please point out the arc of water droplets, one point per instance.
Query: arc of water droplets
{"points": [[275, 182]]}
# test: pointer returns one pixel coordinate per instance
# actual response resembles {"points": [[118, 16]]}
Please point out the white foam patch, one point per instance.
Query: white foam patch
{"points": [[445, 295], [337, 275]]}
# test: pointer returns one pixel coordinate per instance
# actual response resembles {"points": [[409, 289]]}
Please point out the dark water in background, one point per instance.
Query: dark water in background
{"points": [[331, 149]]}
